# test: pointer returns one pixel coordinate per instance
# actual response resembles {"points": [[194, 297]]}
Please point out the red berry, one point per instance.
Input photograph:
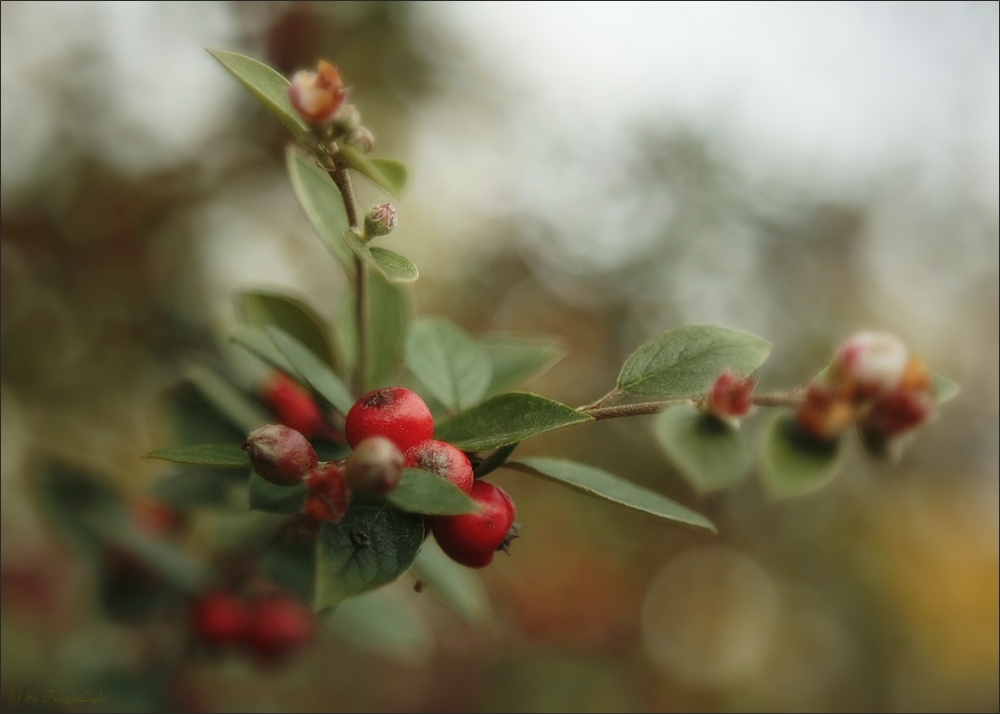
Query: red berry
{"points": [[395, 413], [442, 459], [154, 517], [280, 454], [329, 494], [730, 395], [374, 467], [279, 625], [900, 412], [473, 538], [221, 618], [294, 406]]}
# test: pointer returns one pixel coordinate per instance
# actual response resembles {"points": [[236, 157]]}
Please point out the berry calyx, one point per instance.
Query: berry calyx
{"points": [[395, 413], [280, 454], [220, 618], [329, 494], [294, 406], [375, 467], [278, 625], [472, 539], [444, 460]]}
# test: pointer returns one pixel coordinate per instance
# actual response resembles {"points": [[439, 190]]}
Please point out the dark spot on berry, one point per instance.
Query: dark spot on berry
{"points": [[419, 586], [380, 399]]}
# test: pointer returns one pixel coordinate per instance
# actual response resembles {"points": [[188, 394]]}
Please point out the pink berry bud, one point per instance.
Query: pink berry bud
{"points": [[318, 95], [374, 467], [280, 454], [362, 139], [380, 221], [730, 396], [329, 494], [874, 361]]}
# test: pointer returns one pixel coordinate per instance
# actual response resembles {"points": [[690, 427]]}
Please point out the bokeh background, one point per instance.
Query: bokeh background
{"points": [[599, 171]]}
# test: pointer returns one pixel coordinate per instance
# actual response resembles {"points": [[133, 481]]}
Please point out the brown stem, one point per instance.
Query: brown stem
{"points": [[778, 399], [342, 178], [613, 394]]}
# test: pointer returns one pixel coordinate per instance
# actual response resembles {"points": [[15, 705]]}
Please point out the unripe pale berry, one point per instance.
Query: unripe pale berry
{"points": [[873, 361], [395, 413], [294, 406], [472, 539], [444, 460], [220, 618], [329, 494], [279, 625], [374, 467], [280, 454]]}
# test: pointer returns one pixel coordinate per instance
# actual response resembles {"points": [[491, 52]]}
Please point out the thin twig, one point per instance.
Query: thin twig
{"points": [[342, 178], [778, 399], [613, 394]]}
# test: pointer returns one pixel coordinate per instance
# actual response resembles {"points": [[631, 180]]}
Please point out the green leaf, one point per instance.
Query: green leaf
{"points": [[322, 203], [495, 460], [385, 624], [455, 368], [944, 389], [230, 401], [688, 360], [390, 176], [290, 561], [505, 419], [394, 267], [457, 586], [221, 455], [373, 545], [390, 314], [257, 342], [270, 87], [313, 370], [517, 359], [262, 308], [266, 496], [598, 482], [195, 420], [710, 453], [425, 492], [198, 486], [793, 462]]}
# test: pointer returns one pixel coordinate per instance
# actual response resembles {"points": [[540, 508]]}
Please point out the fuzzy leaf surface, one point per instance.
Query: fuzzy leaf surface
{"points": [[322, 203], [455, 368], [267, 85], [425, 492]]}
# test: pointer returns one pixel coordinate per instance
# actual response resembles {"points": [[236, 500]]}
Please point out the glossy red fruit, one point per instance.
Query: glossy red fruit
{"points": [[294, 406], [374, 467], [442, 459], [473, 538], [329, 494], [280, 454], [221, 618], [395, 413], [279, 625]]}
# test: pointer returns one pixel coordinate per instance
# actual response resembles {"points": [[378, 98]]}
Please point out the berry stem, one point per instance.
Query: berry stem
{"points": [[777, 399], [342, 178]]}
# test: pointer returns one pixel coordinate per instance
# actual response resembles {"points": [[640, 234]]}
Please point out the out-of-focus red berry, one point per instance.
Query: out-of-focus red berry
{"points": [[221, 618], [279, 625], [730, 396], [294, 406]]}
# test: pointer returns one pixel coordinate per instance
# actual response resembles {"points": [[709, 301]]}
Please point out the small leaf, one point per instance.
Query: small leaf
{"points": [[373, 545], [794, 462], [266, 496], [597, 482], [709, 452], [290, 561], [385, 624], [394, 267], [516, 358], [229, 400], [270, 87], [257, 342], [505, 419], [455, 369], [390, 314], [390, 176], [688, 359], [313, 370], [944, 389], [262, 308], [322, 203], [425, 492], [222, 455], [457, 586]]}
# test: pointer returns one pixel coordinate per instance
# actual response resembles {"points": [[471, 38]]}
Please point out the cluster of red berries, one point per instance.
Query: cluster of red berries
{"points": [[388, 430], [269, 627]]}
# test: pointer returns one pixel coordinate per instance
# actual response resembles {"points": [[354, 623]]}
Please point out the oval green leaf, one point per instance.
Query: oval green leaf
{"points": [[266, 496], [312, 369], [373, 545], [230, 401], [256, 341], [458, 587], [793, 462], [506, 419], [518, 358], [386, 624], [393, 266], [389, 311], [597, 482], [390, 176], [944, 389], [425, 492], [710, 453], [322, 203], [455, 368], [229, 456], [261, 308], [687, 360], [267, 85]]}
